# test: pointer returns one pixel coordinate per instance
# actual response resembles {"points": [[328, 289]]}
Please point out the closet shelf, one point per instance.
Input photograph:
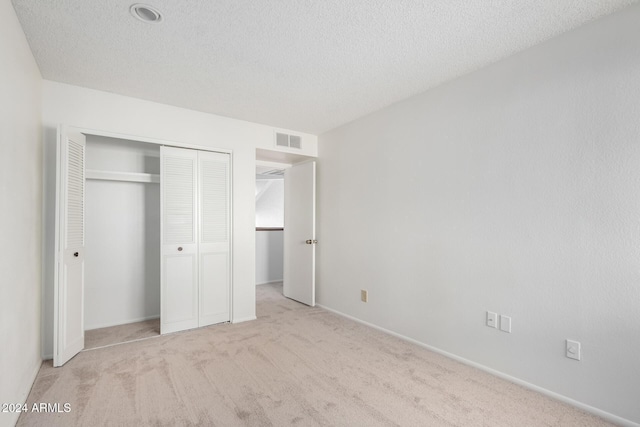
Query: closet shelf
{"points": [[122, 176]]}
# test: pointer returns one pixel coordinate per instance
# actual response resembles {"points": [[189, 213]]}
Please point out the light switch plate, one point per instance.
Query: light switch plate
{"points": [[492, 319], [505, 323]]}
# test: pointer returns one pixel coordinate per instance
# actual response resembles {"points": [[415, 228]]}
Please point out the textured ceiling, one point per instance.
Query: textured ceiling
{"points": [[297, 64]]}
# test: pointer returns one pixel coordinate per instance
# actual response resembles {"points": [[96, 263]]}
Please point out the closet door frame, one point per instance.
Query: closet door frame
{"points": [[160, 142]]}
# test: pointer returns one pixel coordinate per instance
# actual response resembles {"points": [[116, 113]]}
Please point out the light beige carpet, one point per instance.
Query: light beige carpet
{"points": [[122, 333], [295, 365]]}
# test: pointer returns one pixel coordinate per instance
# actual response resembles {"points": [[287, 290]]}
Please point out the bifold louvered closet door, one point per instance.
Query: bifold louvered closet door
{"points": [[68, 323], [195, 195]]}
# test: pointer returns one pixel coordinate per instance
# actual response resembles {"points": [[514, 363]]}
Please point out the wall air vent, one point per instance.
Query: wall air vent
{"points": [[288, 141], [295, 142], [282, 140]]}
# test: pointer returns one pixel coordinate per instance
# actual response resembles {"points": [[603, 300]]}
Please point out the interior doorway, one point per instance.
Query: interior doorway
{"points": [[285, 228], [269, 224]]}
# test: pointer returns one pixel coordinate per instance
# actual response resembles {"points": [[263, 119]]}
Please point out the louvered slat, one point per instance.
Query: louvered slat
{"points": [[214, 202], [75, 196], [178, 200]]}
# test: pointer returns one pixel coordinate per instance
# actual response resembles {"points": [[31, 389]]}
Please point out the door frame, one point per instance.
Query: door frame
{"points": [[156, 141], [286, 161]]}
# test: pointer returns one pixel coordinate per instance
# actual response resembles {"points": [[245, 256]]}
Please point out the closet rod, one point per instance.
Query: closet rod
{"points": [[122, 176]]}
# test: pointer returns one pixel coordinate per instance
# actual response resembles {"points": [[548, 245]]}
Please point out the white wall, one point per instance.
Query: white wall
{"points": [[270, 203], [122, 223], [20, 218], [514, 189], [108, 112], [269, 256]]}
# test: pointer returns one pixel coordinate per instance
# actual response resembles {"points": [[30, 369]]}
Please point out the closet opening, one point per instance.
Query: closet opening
{"points": [[142, 231], [122, 258]]}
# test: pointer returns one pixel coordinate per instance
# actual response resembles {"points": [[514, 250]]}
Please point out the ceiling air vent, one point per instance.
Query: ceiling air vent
{"points": [[289, 141]]}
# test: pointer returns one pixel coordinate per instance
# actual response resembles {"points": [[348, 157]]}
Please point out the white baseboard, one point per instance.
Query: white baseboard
{"points": [[603, 414], [268, 283], [243, 319], [126, 322]]}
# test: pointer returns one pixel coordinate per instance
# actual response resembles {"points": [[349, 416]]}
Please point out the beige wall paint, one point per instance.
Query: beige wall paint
{"points": [[20, 214], [514, 189]]}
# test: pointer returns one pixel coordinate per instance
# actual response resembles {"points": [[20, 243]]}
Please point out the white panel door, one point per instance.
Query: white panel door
{"points": [[68, 321], [300, 233], [179, 252], [214, 233]]}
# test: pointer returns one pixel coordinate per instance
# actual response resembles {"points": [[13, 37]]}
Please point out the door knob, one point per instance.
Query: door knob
{"points": [[311, 242], [179, 248], [75, 254]]}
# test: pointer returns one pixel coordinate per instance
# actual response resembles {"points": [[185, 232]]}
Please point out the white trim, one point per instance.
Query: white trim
{"points": [[274, 165], [96, 132], [122, 342], [232, 287], [269, 282], [595, 411], [56, 232], [122, 176], [268, 177], [138, 319], [243, 319], [44, 250]]}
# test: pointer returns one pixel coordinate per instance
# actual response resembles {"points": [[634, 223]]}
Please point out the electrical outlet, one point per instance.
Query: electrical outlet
{"points": [[364, 295], [492, 319], [573, 350], [505, 323]]}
